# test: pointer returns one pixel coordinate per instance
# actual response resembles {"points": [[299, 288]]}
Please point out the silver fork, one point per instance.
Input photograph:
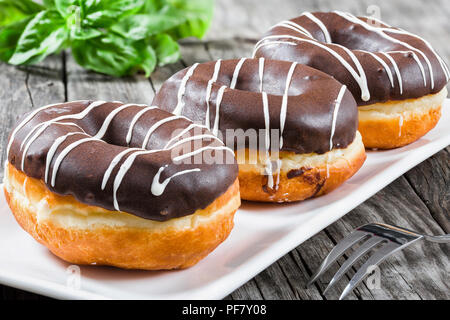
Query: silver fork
{"points": [[388, 238]]}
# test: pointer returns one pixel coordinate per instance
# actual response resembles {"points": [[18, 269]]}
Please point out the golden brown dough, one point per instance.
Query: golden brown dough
{"points": [[398, 123], [83, 234], [302, 176]]}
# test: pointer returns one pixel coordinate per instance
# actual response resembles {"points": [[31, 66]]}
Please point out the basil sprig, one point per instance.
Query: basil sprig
{"points": [[115, 37]]}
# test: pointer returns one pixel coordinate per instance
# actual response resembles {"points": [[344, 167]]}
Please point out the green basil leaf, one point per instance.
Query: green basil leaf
{"points": [[15, 10], [141, 26], [166, 49], [198, 14], [116, 37], [9, 36], [147, 56], [44, 34], [106, 12], [151, 6], [66, 7], [108, 54], [49, 4], [84, 33]]}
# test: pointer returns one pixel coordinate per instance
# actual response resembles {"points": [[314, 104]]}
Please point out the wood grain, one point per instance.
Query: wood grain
{"points": [[418, 200], [431, 182], [23, 88]]}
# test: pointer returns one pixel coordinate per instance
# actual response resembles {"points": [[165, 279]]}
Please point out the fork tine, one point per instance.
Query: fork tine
{"points": [[374, 260], [354, 237], [358, 253]]}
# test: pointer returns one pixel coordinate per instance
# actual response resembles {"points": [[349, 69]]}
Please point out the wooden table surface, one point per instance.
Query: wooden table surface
{"points": [[419, 200]]}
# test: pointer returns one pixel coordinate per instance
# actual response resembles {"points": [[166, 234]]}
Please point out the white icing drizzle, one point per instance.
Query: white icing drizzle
{"points": [[76, 116], [444, 66], [44, 125], [396, 69], [158, 188], [198, 137], [416, 58], [385, 66], [261, 73], [328, 167], [135, 119], [359, 75], [199, 150], [268, 164], [101, 132], [259, 45], [119, 156], [24, 122], [190, 127], [209, 88], [335, 113], [126, 165], [381, 32], [215, 130], [156, 126], [293, 26], [63, 154], [24, 186], [400, 125], [69, 124], [113, 164], [52, 150], [265, 101], [236, 72], [180, 103], [441, 62], [319, 24], [279, 163], [284, 102]]}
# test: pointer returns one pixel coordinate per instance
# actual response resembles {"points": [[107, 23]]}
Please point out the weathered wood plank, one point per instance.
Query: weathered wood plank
{"points": [[273, 284], [310, 254], [82, 84], [431, 181], [249, 290], [418, 272], [27, 87], [295, 271]]}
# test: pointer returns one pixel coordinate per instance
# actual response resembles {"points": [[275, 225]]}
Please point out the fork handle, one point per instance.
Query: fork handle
{"points": [[439, 239]]}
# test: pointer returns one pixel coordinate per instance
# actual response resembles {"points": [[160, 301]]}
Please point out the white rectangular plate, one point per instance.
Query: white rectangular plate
{"points": [[262, 234]]}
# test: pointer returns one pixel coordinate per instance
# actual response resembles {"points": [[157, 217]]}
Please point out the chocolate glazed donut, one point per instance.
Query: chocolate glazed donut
{"points": [[396, 77], [314, 115], [85, 176]]}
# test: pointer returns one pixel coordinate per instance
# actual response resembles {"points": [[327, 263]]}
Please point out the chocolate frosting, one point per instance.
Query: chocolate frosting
{"points": [[308, 107], [133, 158], [375, 61]]}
